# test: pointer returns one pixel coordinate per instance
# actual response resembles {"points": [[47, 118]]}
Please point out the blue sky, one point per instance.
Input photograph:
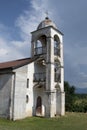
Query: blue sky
{"points": [[19, 17]]}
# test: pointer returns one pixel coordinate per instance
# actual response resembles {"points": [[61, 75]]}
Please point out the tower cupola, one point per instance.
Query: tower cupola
{"points": [[45, 23]]}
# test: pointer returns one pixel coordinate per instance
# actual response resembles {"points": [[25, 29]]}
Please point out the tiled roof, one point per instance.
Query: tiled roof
{"points": [[16, 63]]}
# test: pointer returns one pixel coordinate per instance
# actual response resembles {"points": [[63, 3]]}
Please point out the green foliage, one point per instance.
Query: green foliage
{"points": [[69, 96], [74, 102], [80, 104]]}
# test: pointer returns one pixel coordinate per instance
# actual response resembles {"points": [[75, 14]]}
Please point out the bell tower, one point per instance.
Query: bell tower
{"points": [[47, 45]]}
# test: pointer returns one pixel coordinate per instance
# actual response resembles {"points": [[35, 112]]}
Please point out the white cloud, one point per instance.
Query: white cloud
{"points": [[3, 52], [77, 54], [3, 47], [29, 21], [8, 51], [84, 84], [83, 75], [18, 44]]}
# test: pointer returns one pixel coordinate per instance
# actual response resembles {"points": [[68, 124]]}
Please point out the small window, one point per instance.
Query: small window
{"points": [[27, 98], [27, 83]]}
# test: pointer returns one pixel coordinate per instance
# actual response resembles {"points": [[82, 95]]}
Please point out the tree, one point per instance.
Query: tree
{"points": [[69, 96]]}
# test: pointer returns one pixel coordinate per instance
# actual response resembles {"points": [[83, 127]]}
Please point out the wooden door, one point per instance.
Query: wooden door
{"points": [[39, 105]]}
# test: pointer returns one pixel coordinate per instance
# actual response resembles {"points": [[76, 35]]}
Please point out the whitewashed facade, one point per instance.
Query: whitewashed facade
{"points": [[35, 88]]}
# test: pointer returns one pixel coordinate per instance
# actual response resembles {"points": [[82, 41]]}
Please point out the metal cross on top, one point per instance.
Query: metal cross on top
{"points": [[46, 14]]}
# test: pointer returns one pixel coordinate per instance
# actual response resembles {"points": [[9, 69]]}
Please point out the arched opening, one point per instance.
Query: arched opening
{"points": [[40, 45], [39, 106], [40, 66], [56, 45]]}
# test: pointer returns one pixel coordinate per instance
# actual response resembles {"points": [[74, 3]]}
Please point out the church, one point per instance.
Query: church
{"points": [[35, 86]]}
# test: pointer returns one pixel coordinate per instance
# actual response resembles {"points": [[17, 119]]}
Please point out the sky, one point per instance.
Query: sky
{"points": [[20, 17]]}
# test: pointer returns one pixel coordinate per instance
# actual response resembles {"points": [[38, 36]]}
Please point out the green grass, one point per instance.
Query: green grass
{"points": [[71, 121]]}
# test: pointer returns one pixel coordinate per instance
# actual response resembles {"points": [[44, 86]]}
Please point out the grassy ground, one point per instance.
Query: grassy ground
{"points": [[71, 121]]}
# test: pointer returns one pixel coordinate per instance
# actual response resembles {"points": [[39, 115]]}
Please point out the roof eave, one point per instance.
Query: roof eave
{"points": [[48, 27]]}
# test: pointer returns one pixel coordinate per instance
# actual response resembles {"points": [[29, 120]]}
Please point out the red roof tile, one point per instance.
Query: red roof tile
{"points": [[16, 63]]}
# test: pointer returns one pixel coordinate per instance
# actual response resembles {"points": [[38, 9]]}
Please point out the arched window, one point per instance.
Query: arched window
{"points": [[27, 98], [56, 45], [27, 83], [39, 105]]}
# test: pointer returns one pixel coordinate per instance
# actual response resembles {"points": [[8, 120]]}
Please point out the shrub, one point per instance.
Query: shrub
{"points": [[74, 102]]}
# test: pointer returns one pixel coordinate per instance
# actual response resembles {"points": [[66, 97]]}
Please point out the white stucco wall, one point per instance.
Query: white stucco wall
{"points": [[29, 92], [20, 93], [5, 94]]}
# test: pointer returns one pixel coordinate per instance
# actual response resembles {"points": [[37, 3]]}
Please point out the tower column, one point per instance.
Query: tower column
{"points": [[32, 48], [62, 68], [50, 77], [62, 103], [50, 64]]}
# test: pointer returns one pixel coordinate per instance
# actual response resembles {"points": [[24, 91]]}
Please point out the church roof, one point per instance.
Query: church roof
{"points": [[45, 23], [16, 63]]}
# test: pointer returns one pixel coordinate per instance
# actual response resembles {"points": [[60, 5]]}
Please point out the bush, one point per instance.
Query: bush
{"points": [[81, 106], [74, 102]]}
